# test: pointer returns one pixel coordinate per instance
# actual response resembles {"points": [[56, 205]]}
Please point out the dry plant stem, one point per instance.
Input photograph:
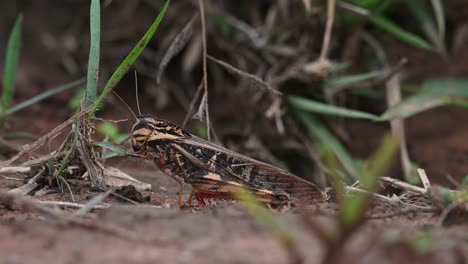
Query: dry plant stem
{"points": [[49, 136], [10, 178], [205, 72], [379, 196], [307, 6], [71, 205], [353, 9], [30, 185], [398, 125], [176, 46], [85, 157], [403, 185], [247, 76], [15, 170], [322, 65], [425, 181], [328, 30], [21, 202], [40, 160]]}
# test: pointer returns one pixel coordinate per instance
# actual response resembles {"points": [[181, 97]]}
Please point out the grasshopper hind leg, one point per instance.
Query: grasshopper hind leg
{"points": [[205, 185], [212, 185]]}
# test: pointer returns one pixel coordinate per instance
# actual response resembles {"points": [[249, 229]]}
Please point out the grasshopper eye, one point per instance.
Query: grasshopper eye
{"points": [[137, 144]]}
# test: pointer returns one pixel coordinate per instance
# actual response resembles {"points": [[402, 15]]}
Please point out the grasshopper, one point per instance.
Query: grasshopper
{"points": [[214, 171]]}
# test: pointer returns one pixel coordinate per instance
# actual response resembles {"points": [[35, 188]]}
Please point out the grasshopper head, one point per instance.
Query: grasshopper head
{"points": [[148, 129], [141, 132]]}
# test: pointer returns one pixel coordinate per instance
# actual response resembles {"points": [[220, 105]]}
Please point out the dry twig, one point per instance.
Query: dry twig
{"points": [[21, 202], [403, 185], [205, 72], [49, 136]]}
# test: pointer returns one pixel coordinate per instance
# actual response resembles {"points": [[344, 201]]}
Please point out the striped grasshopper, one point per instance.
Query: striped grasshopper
{"points": [[214, 171]]}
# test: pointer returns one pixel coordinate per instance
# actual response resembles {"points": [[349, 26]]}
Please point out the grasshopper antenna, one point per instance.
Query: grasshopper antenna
{"points": [[136, 94], [122, 100]]}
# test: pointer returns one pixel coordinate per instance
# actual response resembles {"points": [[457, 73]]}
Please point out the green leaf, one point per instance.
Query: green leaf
{"points": [[11, 63], [93, 60], [44, 95], [119, 150], [130, 59], [406, 36], [320, 133], [109, 129], [323, 108]]}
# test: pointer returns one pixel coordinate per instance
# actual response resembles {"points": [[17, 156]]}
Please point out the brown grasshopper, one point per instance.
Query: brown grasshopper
{"points": [[214, 171]]}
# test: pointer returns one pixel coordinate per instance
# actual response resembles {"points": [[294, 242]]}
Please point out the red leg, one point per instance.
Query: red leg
{"points": [[200, 196]]}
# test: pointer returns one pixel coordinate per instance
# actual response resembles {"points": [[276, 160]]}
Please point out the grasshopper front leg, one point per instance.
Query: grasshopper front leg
{"points": [[169, 169]]}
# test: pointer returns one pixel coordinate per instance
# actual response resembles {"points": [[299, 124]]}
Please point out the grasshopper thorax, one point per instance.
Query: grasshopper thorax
{"points": [[148, 129]]}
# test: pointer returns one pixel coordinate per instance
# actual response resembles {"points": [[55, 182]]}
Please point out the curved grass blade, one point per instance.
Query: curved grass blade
{"points": [[93, 60], [320, 133], [130, 59], [440, 18], [404, 35], [452, 87], [11, 63], [44, 95], [322, 108], [414, 105], [352, 209], [435, 93], [430, 29], [345, 81]]}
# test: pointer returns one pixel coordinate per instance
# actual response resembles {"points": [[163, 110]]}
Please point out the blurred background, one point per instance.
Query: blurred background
{"points": [[309, 86]]}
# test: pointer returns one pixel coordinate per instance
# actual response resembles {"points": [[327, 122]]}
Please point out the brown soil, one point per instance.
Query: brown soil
{"points": [[223, 232]]}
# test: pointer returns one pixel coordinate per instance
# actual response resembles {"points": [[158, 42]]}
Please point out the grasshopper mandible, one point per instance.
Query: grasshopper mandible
{"points": [[214, 171]]}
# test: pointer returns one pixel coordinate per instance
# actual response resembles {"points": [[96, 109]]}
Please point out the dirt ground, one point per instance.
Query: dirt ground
{"points": [[223, 232]]}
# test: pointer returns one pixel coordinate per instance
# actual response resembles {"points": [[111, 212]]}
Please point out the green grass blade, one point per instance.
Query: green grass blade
{"points": [[428, 26], [326, 109], [44, 95], [11, 63], [345, 81], [266, 218], [93, 60], [440, 18], [320, 133], [130, 59], [352, 209], [434, 93], [414, 105], [452, 87], [404, 35]]}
